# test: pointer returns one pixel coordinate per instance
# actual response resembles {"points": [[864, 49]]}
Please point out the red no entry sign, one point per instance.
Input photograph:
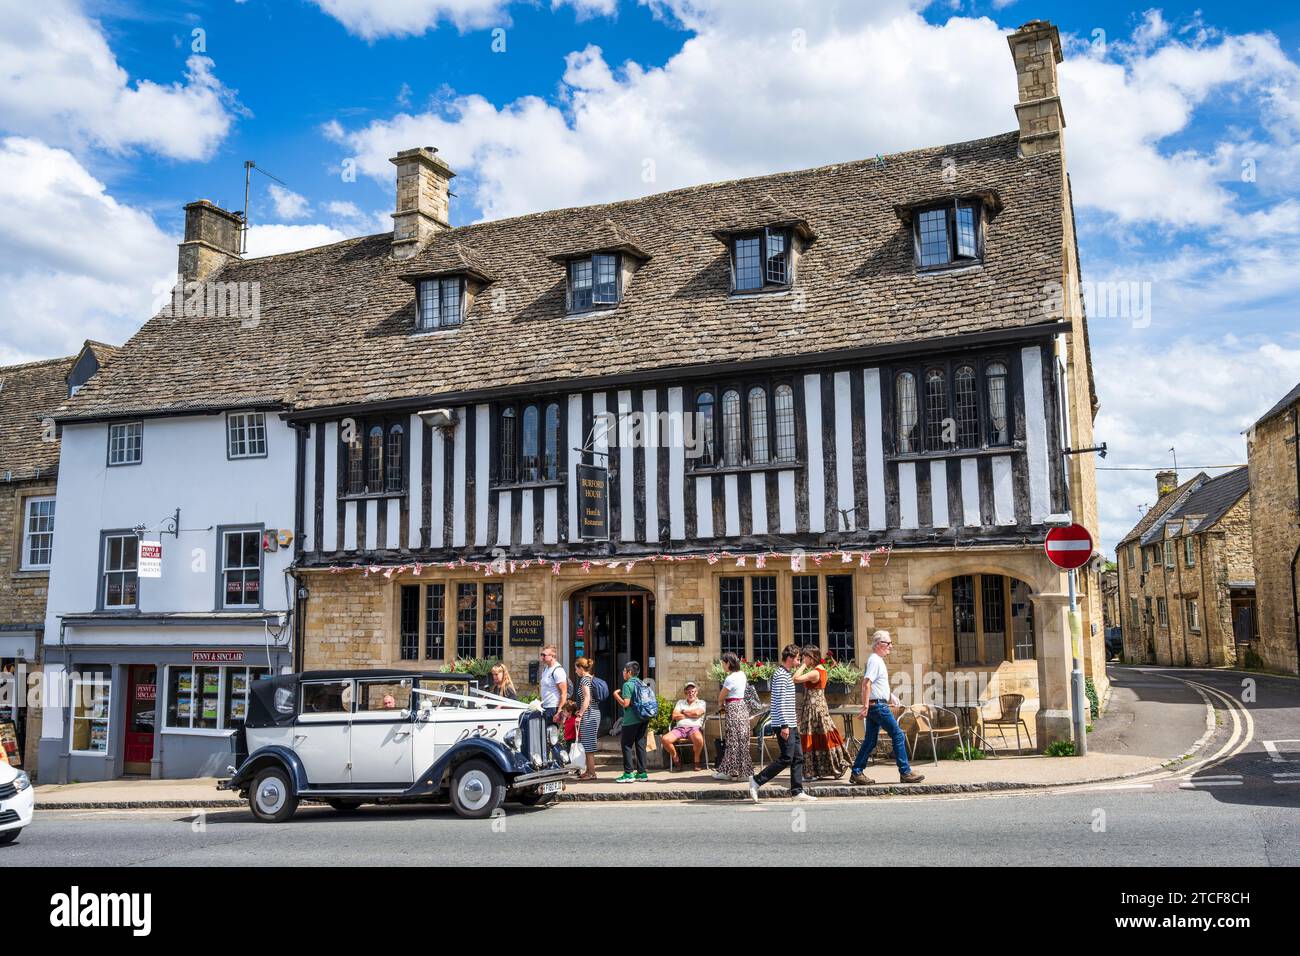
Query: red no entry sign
{"points": [[1068, 547]]}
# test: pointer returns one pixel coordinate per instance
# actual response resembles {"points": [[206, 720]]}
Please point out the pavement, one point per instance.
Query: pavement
{"points": [[1148, 722]]}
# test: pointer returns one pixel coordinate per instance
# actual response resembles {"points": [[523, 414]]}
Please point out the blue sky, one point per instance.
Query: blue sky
{"points": [[1182, 140]]}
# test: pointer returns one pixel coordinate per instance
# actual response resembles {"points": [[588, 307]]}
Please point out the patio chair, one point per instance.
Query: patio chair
{"points": [[936, 723], [1010, 717]]}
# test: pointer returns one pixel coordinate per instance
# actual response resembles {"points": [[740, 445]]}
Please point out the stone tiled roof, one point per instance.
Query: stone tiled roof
{"points": [[335, 324], [1212, 499], [1289, 399], [1157, 511]]}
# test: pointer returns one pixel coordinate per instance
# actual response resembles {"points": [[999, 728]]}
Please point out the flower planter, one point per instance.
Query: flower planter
{"points": [[837, 687]]}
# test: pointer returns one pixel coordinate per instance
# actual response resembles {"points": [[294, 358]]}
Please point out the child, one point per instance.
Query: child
{"points": [[570, 722]]}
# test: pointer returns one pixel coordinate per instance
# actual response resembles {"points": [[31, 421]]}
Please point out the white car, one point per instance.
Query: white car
{"points": [[17, 800], [380, 736]]}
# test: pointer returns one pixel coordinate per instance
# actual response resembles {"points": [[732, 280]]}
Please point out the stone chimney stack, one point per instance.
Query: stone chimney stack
{"points": [[1036, 49], [423, 194], [1166, 481], [212, 237]]}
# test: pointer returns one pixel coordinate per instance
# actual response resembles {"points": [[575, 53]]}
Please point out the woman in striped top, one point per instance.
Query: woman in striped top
{"points": [[588, 716]]}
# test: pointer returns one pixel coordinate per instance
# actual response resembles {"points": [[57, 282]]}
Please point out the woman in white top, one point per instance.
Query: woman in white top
{"points": [[736, 761]]}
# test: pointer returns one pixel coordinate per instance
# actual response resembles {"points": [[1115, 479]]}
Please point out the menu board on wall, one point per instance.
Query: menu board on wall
{"points": [[685, 629]]}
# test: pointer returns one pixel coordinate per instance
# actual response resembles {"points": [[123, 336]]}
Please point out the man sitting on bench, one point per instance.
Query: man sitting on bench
{"points": [[688, 717]]}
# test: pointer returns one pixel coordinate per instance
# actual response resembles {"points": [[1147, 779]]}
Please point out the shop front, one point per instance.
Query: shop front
{"points": [[149, 710], [17, 660]]}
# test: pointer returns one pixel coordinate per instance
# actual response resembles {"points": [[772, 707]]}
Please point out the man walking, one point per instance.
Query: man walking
{"points": [[786, 725], [876, 698]]}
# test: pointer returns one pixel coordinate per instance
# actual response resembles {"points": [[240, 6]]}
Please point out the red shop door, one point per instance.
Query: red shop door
{"points": [[141, 714]]}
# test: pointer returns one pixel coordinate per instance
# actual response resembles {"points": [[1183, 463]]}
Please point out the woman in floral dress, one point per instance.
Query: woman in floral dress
{"points": [[736, 763], [824, 755]]}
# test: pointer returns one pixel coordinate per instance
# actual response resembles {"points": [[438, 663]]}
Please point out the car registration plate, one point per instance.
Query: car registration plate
{"points": [[555, 786]]}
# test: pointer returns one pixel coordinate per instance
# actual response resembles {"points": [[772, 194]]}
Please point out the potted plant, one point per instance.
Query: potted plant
{"points": [[758, 673], [480, 668], [842, 677]]}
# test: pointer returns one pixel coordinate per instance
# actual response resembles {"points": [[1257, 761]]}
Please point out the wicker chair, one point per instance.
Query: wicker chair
{"points": [[936, 723], [1010, 717]]}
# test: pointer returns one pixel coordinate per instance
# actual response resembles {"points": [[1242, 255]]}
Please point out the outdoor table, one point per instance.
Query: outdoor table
{"points": [[970, 716], [847, 714]]}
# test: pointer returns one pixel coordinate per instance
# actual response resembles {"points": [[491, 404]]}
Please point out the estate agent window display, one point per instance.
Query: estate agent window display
{"points": [[208, 697]]}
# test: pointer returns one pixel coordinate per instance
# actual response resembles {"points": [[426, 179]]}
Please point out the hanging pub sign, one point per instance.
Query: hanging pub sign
{"points": [[527, 630], [149, 563], [593, 503]]}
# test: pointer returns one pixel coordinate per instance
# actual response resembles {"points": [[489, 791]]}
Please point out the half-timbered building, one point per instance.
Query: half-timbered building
{"points": [[798, 407]]}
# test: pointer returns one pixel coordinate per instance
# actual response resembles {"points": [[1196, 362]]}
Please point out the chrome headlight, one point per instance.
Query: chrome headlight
{"points": [[511, 739], [552, 735], [22, 781]]}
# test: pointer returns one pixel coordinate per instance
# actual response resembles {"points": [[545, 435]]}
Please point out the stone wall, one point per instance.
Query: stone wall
{"points": [[1276, 528], [22, 598], [352, 619]]}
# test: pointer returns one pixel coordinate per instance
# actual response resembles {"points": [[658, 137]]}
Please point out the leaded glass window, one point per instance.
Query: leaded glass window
{"points": [[968, 418], [786, 449], [936, 409], [905, 401], [731, 443], [999, 423], [758, 452]]}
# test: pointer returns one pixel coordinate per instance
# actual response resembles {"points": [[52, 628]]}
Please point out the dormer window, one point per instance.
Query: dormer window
{"points": [[594, 282], [760, 260], [440, 303], [948, 235]]}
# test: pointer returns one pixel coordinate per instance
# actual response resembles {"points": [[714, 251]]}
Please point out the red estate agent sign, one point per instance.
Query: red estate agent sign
{"points": [[1070, 547]]}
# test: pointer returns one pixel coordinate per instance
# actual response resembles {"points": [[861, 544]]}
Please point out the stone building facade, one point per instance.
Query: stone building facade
{"points": [[810, 404], [29, 461], [1275, 521], [1187, 579]]}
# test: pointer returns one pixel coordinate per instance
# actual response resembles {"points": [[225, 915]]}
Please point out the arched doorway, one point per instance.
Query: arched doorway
{"points": [[612, 624]]}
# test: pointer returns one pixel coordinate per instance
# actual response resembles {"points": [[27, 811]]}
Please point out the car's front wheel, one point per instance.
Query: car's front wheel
{"points": [[271, 798], [477, 789], [8, 836]]}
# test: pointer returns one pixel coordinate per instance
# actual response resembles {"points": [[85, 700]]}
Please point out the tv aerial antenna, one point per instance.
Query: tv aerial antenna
{"points": [[249, 168]]}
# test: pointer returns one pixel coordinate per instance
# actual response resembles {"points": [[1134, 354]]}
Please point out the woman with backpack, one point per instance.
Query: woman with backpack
{"points": [[632, 736], [737, 763], [588, 715]]}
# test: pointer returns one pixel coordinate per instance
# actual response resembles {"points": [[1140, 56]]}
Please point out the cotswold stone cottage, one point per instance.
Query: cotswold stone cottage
{"points": [[1274, 456], [1187, 583], [798, 407]]}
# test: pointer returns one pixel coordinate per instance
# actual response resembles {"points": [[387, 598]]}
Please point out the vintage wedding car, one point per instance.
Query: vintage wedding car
{"points": [[380, 736]]}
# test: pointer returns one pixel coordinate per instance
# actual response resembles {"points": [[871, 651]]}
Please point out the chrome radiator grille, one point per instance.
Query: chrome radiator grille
{"points": [[534, 734]]}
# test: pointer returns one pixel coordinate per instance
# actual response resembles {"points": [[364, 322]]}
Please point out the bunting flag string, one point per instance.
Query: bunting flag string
{"points": [[502, 566]]}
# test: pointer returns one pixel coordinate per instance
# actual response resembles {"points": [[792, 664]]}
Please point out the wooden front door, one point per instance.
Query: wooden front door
{"points": [[141, 718]]}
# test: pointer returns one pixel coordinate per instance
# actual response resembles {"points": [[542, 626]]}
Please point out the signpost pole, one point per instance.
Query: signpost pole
{"points": [[1076, 676]]}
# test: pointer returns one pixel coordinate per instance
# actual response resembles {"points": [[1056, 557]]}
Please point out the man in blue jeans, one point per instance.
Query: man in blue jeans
{"points": [[876, 698]]}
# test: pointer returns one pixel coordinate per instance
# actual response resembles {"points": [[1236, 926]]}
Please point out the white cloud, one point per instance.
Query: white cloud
{"points": [[372, 19], [274, 238], [63, 84], [74, 262], [288, 204], [736, 100], [1193, 395]]}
